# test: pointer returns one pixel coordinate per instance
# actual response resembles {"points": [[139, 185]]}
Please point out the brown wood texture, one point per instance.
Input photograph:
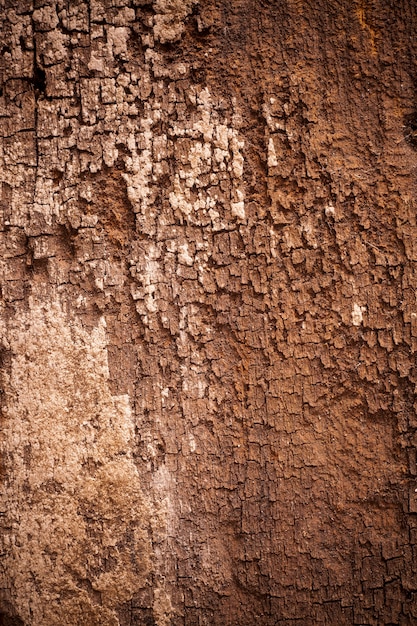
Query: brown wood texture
{"points": [[208, 312]]}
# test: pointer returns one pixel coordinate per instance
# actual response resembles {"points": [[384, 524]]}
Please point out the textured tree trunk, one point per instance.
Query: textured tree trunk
{"points": [[208, 312]]}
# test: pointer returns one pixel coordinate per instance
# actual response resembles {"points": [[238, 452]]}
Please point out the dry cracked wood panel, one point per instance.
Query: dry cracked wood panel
{"points": [[208, 312]]}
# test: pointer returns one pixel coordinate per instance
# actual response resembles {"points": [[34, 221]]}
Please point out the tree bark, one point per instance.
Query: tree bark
{"points": [[208, 312]]}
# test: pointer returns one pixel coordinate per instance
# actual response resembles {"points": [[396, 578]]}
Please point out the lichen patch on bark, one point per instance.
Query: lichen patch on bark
{"points": [[78, 537]]}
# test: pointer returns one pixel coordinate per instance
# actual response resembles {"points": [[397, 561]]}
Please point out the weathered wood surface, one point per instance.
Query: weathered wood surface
{"points": [[208, 312]]}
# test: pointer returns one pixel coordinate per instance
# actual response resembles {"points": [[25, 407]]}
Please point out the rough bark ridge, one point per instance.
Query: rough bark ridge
{"points": [[209, 320]]}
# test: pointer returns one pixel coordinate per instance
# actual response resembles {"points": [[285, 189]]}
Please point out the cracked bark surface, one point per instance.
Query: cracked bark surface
{"points": [[208, 312]]}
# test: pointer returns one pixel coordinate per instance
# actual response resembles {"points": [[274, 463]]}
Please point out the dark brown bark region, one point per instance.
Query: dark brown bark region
{"points": [[268, 351], [328, 392]]}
